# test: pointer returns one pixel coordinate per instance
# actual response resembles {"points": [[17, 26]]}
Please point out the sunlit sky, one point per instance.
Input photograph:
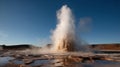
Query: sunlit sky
{"points": [[30, 21]]}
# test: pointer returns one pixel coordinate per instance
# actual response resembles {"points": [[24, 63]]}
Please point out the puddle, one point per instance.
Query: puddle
{"points": [[5, 60], [62, 63], [18, 62], [40, 62]]}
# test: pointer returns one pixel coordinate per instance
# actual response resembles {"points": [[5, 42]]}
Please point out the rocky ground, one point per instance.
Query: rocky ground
{"points": [[26, 58]]}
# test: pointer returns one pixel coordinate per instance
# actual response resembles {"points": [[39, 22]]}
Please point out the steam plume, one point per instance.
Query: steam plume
{"points": [[64, 37]]}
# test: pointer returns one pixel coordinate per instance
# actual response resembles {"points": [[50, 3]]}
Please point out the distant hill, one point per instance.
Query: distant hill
{"points": [[16, 47], [114, 46]]}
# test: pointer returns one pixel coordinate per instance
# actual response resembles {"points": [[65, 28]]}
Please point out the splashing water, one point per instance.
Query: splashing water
{"points": [[64, 36]]}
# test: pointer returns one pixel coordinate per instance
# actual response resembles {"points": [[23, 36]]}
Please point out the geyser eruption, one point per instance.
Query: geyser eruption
{"points": [[64, 36]]}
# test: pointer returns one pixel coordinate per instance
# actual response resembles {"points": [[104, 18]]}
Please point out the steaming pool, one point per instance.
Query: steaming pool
{"points": [[60, 62]]}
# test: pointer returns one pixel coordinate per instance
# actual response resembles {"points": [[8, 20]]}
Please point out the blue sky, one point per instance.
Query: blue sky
{"points": [[30, 21]]}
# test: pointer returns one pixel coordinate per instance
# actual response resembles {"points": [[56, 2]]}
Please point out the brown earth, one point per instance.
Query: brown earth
{"points": [[115, 46]]}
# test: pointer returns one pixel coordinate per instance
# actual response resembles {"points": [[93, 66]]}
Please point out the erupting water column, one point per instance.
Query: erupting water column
{"points": [[64, 36]]}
